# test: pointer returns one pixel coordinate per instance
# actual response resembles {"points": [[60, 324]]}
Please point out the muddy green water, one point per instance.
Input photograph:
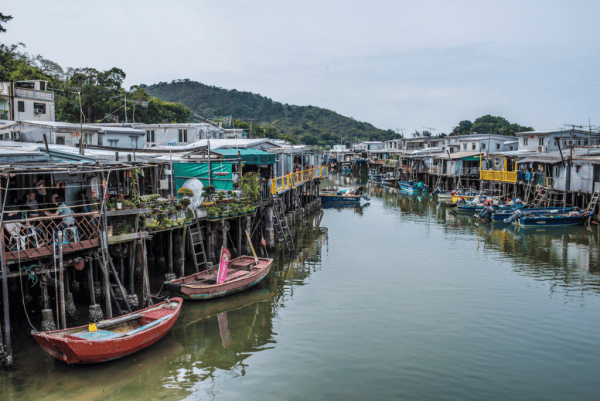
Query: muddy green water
{"points": [[399, 299]]}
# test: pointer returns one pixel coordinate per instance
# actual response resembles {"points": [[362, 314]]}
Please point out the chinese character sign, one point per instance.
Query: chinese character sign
{"points": [[222, 274]]}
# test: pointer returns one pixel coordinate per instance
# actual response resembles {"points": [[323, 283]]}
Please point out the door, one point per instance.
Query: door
{"points": [[596, 177]]}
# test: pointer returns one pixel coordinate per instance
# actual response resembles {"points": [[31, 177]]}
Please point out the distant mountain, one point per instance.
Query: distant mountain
{"points": [[307, 124]]}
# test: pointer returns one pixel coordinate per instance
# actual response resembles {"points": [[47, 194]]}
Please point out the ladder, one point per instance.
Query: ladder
{"points": [[297, 201], [541, 196], [282, 230], [115, 286], [196, 244], [593, 202]]}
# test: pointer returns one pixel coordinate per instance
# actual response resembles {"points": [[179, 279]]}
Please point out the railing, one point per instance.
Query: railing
{"points": [[34, 237], [292, 180], [437, 170], [34, 94], [504, 176]]}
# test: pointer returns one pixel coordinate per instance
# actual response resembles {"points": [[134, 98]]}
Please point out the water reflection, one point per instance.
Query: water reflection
{"points": [[209, 344], [568, 257]]}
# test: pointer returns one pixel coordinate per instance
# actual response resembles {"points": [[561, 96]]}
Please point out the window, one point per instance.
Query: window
{"points": [[483, 146], [556, 171], [510, 147], [556, 142], [525, 141], [39, 108], [150, 136], [134, 141], [42, 86], [87, 139], [21, 106], [182, 135], [464, 146], [113, 143], [60, 140], [578, 169], [497, 146], [541, 139], [473, 146]]}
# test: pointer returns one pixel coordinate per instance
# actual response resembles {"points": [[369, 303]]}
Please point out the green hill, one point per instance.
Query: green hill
{"points": [[307, 124]]}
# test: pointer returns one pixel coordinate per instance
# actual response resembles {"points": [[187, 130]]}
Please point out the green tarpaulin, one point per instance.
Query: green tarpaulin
{"points": [[248, 156], [185, 171]]}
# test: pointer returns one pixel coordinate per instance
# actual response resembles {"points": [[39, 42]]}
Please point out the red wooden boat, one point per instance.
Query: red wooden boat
{"points": [[242, 273], [114, 338]]}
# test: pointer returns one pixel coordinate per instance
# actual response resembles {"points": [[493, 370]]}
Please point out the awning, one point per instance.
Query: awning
{"points": [[185, 171]]}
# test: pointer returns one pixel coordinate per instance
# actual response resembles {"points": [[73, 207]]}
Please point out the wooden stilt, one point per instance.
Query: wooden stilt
{"points": [[61, 284]]}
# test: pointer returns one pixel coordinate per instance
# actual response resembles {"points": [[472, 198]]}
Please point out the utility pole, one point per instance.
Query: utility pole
{"points": [[125, 107], [251, 119], [81, 150]]}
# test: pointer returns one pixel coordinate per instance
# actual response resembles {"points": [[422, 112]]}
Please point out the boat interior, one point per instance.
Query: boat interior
{"points": [[123, 326]]}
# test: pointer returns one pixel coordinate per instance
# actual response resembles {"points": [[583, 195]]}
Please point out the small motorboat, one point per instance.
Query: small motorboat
{"points": [[242, 273], [389, 180], [549, 219], [413, 187], [501, 216], [113, 338]]}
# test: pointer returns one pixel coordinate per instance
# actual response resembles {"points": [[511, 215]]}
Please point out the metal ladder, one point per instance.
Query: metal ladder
{"points": [[196, 243], [115, 286], [297, 200], [593, 202], [282, 230], [541, 196]]}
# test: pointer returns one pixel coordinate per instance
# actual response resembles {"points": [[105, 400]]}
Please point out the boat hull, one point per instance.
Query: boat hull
{"points": [[97, 351], [498, 217], [209, 291], [331, 198], [551, 221]]}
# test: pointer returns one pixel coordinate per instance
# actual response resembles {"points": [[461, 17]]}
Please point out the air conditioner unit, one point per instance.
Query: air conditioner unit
{"points": [[38, 111], [542, 148]]}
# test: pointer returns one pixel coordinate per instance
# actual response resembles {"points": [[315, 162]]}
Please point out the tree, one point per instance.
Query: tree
{"points": [[416, 134], [4, 19], [464, 127], [426, 133]]}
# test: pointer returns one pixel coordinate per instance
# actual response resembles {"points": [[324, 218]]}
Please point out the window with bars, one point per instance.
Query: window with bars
{"points": [[182, 135]]}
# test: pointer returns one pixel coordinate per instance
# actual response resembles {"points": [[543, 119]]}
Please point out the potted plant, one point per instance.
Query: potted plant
{"points": [[185, 202], [185, 192]]}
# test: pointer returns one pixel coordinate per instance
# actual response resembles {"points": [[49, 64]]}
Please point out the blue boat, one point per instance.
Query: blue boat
{"points": [[501, 215], [413, 187], [335, 198], [479, 208], [573, 218]]}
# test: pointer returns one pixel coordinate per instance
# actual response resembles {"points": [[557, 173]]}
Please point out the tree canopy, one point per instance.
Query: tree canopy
{"points": [[307, 124], [490, 125], [102, 93]]}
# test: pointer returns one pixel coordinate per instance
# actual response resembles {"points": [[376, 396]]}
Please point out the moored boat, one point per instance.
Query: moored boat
{"points": [[242, 274], [413, 187], [113, 338], [573, 218], [500, 215]]}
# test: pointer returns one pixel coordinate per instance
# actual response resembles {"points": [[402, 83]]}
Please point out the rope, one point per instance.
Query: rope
{"points": [[32, 275]]}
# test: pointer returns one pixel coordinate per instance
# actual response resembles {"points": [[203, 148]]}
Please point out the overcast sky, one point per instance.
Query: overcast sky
{"points": [[395, 64]]}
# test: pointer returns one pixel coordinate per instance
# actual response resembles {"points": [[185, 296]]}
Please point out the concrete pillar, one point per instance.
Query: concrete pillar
{"points": [[247, 249], [48, 323]]}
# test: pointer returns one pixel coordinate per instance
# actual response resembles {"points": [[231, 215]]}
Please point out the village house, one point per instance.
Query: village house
{"points": [[61, 133], [26, 101]]}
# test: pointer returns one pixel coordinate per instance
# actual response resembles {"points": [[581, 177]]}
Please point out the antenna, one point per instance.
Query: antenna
{"points": [[430, 130]]}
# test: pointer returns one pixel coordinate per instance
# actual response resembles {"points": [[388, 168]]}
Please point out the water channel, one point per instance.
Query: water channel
{"points": [[398, 299]]}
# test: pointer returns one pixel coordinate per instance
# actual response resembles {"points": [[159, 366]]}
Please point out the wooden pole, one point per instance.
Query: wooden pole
{"points": [[61, 268], [7, 341], [171, 251], [183, 251], [91, 282]]}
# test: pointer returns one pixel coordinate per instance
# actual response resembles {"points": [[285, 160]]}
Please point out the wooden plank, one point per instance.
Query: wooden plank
{"points": [[119, 320]]}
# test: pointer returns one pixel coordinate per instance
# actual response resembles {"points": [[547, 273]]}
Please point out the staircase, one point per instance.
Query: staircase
{"points": [[196, 244], [541, 196], [282, 230]]}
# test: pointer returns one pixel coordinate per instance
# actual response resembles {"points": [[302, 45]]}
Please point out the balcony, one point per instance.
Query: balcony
{"points": [[502, 176], [34, 237], [34, 94]]}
